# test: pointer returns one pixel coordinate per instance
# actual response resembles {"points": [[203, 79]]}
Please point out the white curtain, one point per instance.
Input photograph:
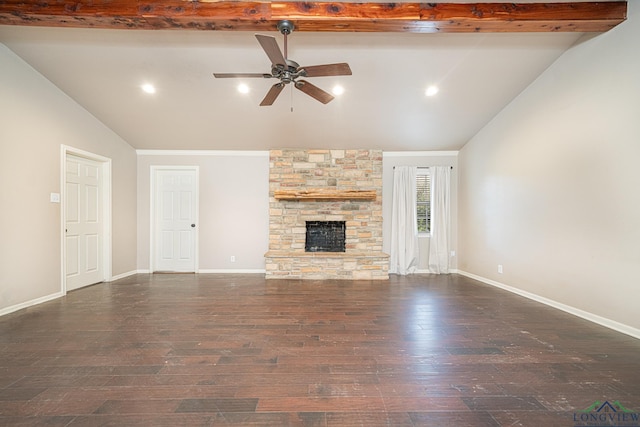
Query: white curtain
{"points": [[404, 228], [440, 219]]}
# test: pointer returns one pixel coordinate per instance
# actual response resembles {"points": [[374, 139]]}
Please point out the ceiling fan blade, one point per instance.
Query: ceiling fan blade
{"points": [[271, 48], [245, 75], [341, 69], [272, 94], [314, 91]]}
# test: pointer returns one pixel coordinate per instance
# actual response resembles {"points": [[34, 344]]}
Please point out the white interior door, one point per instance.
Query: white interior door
{"points": [[83, 222], [175, 214]]}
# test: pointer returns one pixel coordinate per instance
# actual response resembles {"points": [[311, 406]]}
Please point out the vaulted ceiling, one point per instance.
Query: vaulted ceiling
{"points": [[481, 56]]}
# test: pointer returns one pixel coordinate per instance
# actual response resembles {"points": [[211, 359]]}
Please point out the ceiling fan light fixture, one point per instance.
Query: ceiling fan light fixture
{"points": [[243, 88], [431, 90]]}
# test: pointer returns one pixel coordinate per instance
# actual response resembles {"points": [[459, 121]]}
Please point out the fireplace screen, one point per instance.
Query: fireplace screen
{"points": [[325, 236]]}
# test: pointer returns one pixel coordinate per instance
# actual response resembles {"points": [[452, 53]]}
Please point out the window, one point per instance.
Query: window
{"points": [[423, 201]]}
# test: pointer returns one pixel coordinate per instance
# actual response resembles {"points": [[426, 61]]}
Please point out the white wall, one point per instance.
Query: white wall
{"points": [[234, 207], [549, 189], [420, 159], [234, 204], [36, 118]]}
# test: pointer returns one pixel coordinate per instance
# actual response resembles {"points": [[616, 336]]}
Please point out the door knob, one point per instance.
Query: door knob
{"points": [[193, 225]]}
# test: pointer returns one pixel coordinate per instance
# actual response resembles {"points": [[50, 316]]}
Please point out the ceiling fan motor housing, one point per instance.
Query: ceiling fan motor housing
{"points": [[287, 73]]}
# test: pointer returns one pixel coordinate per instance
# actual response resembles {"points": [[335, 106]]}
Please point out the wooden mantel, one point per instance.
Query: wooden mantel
{"points": [[317, 16], [324, 194]]}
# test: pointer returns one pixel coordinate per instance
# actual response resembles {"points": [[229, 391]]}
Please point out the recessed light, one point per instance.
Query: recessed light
{"points": [[431, 90], [148, 88], [337, 90], [243, 88]]}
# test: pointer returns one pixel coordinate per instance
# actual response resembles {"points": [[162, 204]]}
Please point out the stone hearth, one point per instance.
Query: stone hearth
{"points": [[343, 182]]}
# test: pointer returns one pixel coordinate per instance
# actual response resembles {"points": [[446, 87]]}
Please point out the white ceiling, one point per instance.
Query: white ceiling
{"points": [[384, 105]]}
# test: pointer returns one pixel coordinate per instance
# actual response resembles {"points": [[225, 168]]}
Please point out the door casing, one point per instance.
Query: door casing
{"points": [[105, 184], [152, 213]]}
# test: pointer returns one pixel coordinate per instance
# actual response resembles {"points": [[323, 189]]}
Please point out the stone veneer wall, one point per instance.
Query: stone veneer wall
{"points": [[326, 169]]}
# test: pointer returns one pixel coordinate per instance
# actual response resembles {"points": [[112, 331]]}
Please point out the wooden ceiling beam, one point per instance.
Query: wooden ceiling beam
{"points": [[317, 16]]}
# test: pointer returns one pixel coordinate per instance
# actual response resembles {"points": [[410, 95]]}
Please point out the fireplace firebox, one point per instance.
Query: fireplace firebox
{"points": [[325, 236]]}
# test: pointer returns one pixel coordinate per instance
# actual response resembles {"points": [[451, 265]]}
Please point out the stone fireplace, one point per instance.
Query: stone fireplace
{"points": [[340, 190]]}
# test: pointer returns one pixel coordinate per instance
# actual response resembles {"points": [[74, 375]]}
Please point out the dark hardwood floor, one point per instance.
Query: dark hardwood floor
{"points": [[203, 350]]}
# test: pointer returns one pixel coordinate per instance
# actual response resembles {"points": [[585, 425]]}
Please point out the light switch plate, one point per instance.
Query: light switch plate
{"points": [[55, 198]]}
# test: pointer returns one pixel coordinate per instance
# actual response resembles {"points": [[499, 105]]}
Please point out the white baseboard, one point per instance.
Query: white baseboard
{"points": [[217, 271], [123, 275], [31, 303], [232, 271], [603, 321]]}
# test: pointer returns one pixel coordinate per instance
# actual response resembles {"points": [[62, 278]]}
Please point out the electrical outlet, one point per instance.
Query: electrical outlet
{"points": [[453, 253], [233, 258], [500, 268]]}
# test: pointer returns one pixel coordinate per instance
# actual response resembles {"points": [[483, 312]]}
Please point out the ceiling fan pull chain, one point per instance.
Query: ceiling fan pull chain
{"points": [[292, 98]]}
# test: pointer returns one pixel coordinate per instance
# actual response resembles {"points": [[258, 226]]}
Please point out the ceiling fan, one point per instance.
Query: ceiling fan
{"points": [[288, 71]]}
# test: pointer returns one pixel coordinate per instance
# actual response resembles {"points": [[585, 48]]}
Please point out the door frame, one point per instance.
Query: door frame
{"points": [[152, 213], [105, 182]]}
